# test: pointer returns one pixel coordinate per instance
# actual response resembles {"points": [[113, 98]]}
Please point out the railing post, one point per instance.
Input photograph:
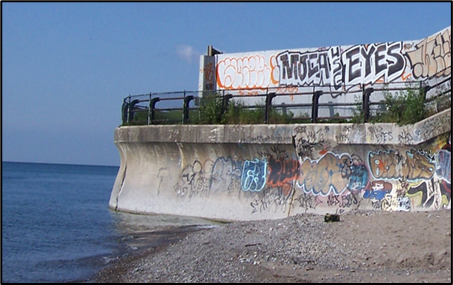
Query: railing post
{"points": [[314, 105], [331, 109], [125, 110], [424, 89], [226, 99], [366, 104], [269, 98], [152, 106], [130, 112], [186, 108], [149, 109]]}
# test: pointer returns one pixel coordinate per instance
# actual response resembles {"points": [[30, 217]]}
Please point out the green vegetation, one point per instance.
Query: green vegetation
{"points": [[213, 110], [403, 108]]}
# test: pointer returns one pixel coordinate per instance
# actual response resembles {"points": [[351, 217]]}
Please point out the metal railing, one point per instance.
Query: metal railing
{"points": [[310, 104]]}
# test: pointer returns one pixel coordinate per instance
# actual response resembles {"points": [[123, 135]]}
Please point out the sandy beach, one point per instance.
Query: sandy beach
{"points": [[363, 247]]}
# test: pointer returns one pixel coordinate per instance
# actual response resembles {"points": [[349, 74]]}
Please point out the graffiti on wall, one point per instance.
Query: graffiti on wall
{"points": [[209, 76], [254, 175], [339, 67], [431, 56], [432, 127], [361, 64], [332, 173], [392, 165], [395, 179]]}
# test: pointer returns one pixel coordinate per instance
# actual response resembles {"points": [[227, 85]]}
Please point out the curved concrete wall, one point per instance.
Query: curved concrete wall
{"points": [[252, 172]]}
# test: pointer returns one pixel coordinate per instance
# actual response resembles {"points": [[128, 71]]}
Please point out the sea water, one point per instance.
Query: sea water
{"points": [[57, 227]]}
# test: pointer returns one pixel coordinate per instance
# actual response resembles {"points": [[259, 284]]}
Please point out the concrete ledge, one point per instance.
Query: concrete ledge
{"points": [[379, 133], [251, 172]]}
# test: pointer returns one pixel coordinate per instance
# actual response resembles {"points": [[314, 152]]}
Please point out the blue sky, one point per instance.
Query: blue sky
{"points": [[67, 66]]}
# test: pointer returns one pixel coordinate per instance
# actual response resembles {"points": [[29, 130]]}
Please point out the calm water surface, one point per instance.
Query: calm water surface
{"points": [[56, 225]]}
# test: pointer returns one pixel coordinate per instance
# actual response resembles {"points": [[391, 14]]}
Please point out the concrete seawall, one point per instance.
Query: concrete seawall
{"points": [[253, 172]]}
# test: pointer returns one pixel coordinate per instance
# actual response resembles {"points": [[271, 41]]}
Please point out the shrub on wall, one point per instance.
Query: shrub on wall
{"points": [[211, 106], [403, 108], [213, 111]]}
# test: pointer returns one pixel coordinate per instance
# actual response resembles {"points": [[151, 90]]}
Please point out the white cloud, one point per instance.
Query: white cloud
{"points": [[187, 53]]}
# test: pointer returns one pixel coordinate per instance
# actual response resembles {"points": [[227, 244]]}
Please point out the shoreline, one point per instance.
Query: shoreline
{"points": [[143, 244], [364, 246]]}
